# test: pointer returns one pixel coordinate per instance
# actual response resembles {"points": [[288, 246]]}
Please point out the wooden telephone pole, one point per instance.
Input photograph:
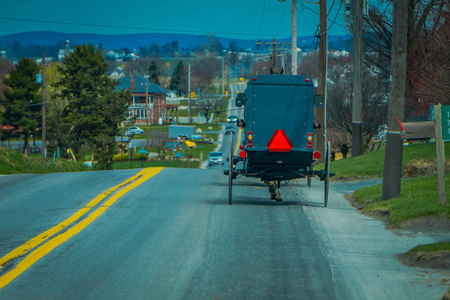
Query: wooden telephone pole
{"points": [[294, 37], [320, 111], [392, 174], [357, 73]]}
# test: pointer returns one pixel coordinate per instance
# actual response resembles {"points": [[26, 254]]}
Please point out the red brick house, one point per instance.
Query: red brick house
{"points": [[157, 107]]}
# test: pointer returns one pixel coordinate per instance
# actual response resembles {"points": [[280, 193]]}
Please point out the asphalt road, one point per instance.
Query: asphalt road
{"points": [[174, 236]]}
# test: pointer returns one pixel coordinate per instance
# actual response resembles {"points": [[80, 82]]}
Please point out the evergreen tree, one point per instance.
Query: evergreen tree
{"points": [[176, 78], [94, 111], [154, 72], [23, 102]]}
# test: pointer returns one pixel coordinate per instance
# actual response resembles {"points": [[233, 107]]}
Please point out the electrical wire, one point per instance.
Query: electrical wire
{"points": [[131, 28], [282, 18], [313, 11], [335, 17], [262, 18]]}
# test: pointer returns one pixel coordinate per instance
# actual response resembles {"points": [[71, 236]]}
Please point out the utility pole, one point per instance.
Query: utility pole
{"points": [[392, 173], [294, 37], [274, 53], [357, 73], [147, 114], [223, 76], [322, 88], [44, 92], [189, 94]]}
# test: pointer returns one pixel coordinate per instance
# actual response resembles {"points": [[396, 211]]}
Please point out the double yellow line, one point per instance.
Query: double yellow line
{"points": [[54, 242]]}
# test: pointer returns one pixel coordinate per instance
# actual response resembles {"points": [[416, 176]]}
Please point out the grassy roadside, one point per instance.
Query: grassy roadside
{"points": [[14, 162], [370, 165], [419, 196]]}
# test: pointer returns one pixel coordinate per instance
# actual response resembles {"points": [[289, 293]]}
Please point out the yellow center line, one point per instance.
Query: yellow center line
{"points": [[25, 248], [61, 238]]}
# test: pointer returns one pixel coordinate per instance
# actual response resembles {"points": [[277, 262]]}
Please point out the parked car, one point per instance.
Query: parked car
{"points": [[134, 130], [232, 119], [215, 157]]}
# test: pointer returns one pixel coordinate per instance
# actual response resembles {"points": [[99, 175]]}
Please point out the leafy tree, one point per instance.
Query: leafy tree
{"points": [[5, 67], [22, 103], [94, 111], [154, 72], [55, 108], [176, 78]]}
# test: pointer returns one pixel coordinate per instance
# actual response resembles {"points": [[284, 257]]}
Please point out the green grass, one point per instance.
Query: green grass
{"points": [[372, 164], [418, 197], [14, 162], [441, 246]]}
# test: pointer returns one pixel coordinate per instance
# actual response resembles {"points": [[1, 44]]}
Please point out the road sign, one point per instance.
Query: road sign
{"points": [[445, 115], [143, 151]]}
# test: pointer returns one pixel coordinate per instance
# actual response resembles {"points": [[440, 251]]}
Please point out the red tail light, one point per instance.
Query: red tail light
{"points": [[241, 147], [317, 155], [242, 154]]}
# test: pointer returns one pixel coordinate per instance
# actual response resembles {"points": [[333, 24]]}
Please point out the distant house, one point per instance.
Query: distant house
{"points": [[131, 57], [111, 55], [117, 73], [157, 110]]}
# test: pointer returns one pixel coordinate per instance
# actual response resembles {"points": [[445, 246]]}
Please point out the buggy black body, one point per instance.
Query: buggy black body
{"points": [[277, 129]]}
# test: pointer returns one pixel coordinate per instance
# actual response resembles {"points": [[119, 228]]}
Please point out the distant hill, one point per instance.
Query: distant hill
{"points": [[131, 41]]}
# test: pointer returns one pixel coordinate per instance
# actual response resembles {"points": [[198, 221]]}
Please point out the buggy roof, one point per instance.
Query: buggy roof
{"points": [[281, 80]]}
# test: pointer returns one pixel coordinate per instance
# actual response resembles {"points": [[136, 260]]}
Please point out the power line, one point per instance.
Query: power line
{"points": [[282, 18], [340, 25], [132, 28], [262, 18]]}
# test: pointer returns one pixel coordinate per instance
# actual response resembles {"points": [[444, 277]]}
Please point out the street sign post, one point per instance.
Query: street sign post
{"points": [[445, 116], [440, 149], [142, 151]]}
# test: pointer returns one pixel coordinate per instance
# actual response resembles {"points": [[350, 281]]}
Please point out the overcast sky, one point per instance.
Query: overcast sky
{"points": [[243, 19]]}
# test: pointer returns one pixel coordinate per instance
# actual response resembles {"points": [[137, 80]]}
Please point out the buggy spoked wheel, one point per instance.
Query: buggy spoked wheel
{"points": [[230, 171], [327, 170]]}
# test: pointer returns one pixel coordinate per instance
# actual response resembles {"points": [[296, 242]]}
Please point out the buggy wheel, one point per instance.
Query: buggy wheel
{"points": [[327, 170], [230, 172]]}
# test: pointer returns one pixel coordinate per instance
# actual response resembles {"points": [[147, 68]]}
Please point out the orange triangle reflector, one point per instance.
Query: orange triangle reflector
{"points": [[279, 142]]}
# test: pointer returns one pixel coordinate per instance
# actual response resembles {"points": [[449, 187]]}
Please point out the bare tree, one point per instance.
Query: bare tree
{"points": [[425, 18], [247, 61], [339, 105], [159, 140], [429, 69], [204, 70], [207, 105]]}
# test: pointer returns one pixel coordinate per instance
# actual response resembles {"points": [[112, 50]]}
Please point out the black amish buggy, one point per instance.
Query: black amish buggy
{"points": [[277, 142]]}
